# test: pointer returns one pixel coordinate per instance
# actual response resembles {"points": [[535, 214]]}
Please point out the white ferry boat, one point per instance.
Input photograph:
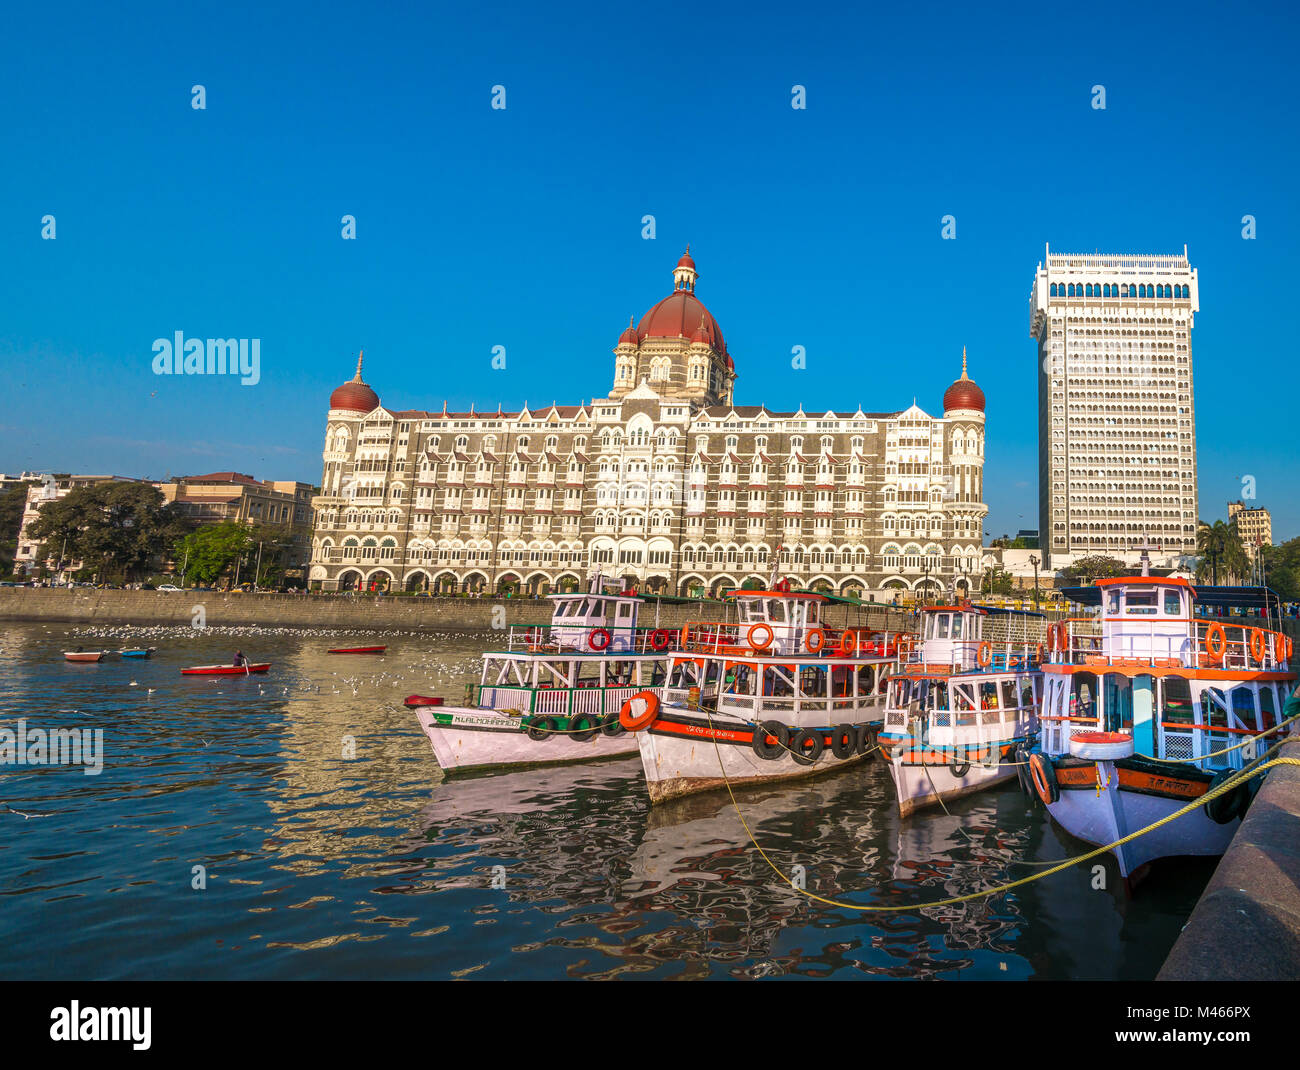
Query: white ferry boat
{"points": [[773, 696], [963, 700], [554, 694], [1141, 703]]}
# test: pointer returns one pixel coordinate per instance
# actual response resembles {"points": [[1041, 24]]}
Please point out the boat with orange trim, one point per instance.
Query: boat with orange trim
{"points": [[776, 695], [965, 697], [554, 694], [1141, 704]]}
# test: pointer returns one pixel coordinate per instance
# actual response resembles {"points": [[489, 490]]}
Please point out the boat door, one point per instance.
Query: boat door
{"points": [[622, 623]]}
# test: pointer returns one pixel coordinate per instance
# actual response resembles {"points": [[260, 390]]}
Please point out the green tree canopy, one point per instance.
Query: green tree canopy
{"points": [[211, 550], [1223, 557], [1282, 569], [117, 529], [1095, 567], [12, 503]]}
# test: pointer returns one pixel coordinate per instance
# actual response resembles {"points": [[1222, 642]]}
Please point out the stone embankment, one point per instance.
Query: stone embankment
{"points": [[395, 613]]}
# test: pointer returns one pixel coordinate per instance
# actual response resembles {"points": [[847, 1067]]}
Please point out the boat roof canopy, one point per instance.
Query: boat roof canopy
{"points": [[1227, 597]]}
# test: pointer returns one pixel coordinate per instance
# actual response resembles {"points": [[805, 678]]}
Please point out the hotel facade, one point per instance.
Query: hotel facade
{"points": [[665, 482], [1117, 424]]}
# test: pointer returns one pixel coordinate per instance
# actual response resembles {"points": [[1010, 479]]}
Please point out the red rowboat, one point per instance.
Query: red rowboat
{"points": [[83, 655], [357, 650], [413, 702], [225, 670]]}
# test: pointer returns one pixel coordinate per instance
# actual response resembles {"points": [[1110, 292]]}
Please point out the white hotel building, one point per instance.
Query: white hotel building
{"points": [[1117, 425]]}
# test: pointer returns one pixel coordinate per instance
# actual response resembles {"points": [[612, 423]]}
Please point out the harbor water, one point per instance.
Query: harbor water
{"points": [[296, 826]]}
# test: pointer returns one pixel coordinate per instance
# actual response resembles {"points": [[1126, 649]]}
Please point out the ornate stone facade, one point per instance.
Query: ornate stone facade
{"points": [[665, 482]]}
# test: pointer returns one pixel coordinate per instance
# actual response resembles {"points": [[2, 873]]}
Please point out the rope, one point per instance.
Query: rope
{"points": [[1228, 785]]}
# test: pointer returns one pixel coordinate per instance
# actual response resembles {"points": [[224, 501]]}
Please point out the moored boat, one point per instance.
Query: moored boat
{"points": [[137, 652], [554, 694], [357, 650], [962, 703], [225, 670], [774, 696], [84, 655], [1144, 706]]}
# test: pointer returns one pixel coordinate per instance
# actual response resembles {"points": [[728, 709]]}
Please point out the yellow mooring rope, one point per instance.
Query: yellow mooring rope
{"points": [[1241, 777]]}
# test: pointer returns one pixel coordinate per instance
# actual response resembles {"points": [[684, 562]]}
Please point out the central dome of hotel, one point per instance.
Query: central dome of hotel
{"points": [[681, 314]]}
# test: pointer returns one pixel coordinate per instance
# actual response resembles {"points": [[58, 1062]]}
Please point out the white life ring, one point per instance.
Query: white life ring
{"points": [[1101, 746]]}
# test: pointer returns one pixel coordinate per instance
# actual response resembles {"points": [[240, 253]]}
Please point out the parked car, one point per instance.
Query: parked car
{"points": [[169, 587]]}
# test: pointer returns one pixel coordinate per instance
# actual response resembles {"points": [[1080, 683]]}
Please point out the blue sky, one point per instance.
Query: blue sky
{"points": [[522, 228]]}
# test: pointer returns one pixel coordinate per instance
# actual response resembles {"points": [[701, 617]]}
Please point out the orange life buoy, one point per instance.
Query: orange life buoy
{"points": [[848, 643], [767, 636], [1045, 783], [1216, 642], [1062, 637], [821, 640], [984, 654], [647, 702], [1257, 644]]}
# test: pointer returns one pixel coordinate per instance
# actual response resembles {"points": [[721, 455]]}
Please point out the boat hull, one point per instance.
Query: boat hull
{"points": [[466, 740], [921, 780], [225, 670], [685, 752], [84, 657], [358, 650], [1132, 797]]}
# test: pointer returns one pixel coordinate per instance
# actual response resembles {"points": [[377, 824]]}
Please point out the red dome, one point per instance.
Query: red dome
{"points": [[628, 337], [679, 315], [686, 260], [354, 395], [963, 394]]}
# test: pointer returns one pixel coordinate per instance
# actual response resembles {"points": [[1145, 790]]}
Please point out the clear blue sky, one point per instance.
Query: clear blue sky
{"points": [[522, 228]]}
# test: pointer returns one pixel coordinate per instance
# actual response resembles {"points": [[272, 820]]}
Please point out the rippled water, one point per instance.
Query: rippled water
{"points": [[320, 866]]}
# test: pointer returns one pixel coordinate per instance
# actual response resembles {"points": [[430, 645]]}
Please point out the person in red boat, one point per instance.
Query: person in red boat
{"points": [[240, 660]]}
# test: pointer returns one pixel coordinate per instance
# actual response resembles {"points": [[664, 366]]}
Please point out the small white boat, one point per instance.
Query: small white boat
{"points": [[554, 694], [963, 703], [84, 655]]}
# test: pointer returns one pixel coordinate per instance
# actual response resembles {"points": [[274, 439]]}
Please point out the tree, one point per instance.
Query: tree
{"points": [[208, 552], [116, 528], [1095, 567], [1223, 557], [996, 580], [12, 504], [1282, 569]]}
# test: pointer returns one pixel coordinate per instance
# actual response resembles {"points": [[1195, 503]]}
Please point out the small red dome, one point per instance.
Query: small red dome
{"points": [[628, 337], [963, 394], [702, 334], [354, 395], [686, 260]]}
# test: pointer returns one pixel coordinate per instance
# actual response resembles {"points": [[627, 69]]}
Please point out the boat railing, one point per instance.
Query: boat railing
{"points": [[1005, 656], [560, 701], [1212, 644], [718, 637], [587, 639], [775, 707]]}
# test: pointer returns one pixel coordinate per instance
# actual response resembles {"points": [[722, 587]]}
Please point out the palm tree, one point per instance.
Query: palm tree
{"points": [[1219, 545]]}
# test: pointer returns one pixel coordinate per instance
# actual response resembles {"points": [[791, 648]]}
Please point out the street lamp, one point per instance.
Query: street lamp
{"points": [[1033, 560]]}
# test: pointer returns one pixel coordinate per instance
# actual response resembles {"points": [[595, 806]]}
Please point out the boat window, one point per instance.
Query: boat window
{"points": [[1026, 694], [956, 626], [961, 698], [658, 673], [1083, 695], [1009, 695], [775, 683], [812, 682], [1140, 602], [939, 695], [1117, 705], [1266, 705], [941, 625], [745, 608], [901, 688], [1112, 602], [776, 610], [1173, 603], [866, 680], [988, 696], [1176, 702], [814, 612], [1243, 705], [598, 608], [624, 610]]}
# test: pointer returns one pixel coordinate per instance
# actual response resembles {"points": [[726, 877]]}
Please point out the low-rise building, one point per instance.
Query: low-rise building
{"points": [[1255, 526]]}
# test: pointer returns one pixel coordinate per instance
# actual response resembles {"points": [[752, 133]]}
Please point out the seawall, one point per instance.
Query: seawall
{"points": [[1246, 925], [396, 613]]}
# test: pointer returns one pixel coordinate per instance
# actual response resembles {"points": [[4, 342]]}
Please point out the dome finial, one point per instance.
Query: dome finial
{"points": [[361, 354], [963, 363]]}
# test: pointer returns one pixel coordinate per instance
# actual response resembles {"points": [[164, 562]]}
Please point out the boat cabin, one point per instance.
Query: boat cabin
{"points": [[782, 617], [950, 636]]}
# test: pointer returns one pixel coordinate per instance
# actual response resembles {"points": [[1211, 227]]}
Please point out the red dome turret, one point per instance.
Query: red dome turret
{"points": [[628, 337], [963, 394], [354, 395]]}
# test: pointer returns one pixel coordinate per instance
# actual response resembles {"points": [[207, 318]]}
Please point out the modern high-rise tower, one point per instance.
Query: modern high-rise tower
{"points": [[1116, 423]]}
